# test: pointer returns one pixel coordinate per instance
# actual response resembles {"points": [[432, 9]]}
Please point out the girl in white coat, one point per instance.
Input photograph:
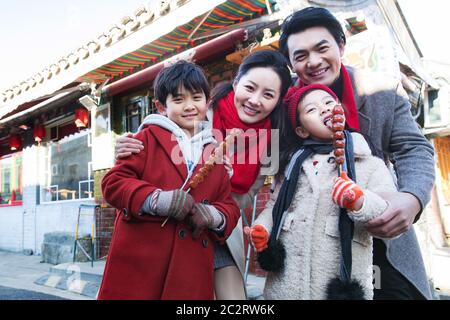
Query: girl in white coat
{"points": [[302, 237]]}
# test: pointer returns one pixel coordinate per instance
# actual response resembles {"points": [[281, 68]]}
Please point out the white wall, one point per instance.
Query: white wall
{"points": [[23, 227], [11, 228]]}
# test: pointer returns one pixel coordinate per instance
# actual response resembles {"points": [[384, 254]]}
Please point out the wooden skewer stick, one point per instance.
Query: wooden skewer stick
{"points": [[212, 160]]}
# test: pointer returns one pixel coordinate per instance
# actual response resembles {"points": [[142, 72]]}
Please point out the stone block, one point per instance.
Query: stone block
{"points": [[58, 247]]}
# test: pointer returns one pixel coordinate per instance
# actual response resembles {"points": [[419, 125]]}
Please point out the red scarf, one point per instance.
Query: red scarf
{"points": [[226, 118], [348, 100]]}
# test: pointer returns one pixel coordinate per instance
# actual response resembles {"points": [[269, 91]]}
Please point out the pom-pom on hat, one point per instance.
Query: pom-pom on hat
{"points": [[295, 94]]}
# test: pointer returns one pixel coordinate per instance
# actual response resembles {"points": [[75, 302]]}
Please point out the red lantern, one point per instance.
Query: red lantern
{"points": [[38, 133], [15, 142], [81, 117]]}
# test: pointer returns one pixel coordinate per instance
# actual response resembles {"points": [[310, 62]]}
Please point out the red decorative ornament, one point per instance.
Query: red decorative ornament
{"points": [[15, 142], [38, 133], [81, 117]]}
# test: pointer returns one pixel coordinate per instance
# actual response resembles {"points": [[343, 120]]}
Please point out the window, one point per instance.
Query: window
{"points": [[133, 115], [11, 180], [137, 108], [68, 169]]}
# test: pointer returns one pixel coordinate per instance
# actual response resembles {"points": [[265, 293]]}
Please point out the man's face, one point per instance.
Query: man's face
{"points": [[315, 55]]}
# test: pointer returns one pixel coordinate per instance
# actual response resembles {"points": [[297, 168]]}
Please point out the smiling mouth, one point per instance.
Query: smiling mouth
{"points": [[318, 73], [250, 110], [189, 115]]}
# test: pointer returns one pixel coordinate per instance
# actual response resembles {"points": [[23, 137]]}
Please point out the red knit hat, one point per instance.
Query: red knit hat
{"points": [[295, 94]]}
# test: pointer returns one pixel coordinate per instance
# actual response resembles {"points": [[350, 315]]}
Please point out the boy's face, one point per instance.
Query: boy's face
{"points": [[315, 55], [315, 115], [186, 109]]}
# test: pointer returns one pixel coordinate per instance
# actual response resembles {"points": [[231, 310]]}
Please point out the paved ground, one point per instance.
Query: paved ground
{"points": [[25, 277], [7, 293], [18, 271]]}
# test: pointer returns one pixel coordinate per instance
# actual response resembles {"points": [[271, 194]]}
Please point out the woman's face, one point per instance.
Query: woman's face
{"points": [[256, 94]]}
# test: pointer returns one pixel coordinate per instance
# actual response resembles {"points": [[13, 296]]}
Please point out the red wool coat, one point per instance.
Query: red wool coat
{"points": [[146, 261]]}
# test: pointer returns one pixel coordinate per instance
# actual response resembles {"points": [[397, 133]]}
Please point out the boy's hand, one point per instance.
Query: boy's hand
{"points": [[258, 236], [126, 145], [203, 217], [347, 194], [176, 204]]}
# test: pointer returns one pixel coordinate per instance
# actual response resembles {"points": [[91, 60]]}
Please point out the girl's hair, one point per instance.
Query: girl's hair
{"points": [[260, 59], [182, 73]]}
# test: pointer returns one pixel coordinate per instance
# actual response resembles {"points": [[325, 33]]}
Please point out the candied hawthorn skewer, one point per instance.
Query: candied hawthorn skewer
{"points": [[338, 125]]}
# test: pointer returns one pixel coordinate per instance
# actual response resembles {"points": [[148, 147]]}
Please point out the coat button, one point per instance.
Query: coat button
{"points": [[182, 233], [205, 243], [205, 201], [125, 212]]}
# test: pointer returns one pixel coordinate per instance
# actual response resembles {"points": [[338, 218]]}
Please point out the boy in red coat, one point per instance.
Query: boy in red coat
{"points": [[147, 261]]}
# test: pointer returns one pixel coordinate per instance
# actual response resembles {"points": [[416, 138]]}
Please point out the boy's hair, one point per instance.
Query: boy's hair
{"points": [[182, 73], [307, 18]]}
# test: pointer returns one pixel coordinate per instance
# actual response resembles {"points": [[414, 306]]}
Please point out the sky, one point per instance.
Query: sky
{"points": [[430, 25], [34, 34]]}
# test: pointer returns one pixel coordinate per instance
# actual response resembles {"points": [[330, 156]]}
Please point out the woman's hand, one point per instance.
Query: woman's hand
{"points": [[228, 166], [126, 145]]}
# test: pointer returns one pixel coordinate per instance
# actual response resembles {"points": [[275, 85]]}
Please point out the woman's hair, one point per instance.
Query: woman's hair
{"points": [[182, 73], [290, 142], [260, 59]]}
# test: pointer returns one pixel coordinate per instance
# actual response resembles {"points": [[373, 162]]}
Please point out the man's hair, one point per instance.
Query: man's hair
{"points": [[182, 73], [307, 18]]}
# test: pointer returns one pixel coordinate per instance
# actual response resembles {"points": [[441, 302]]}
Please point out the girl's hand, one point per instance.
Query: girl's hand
{"points": [[347, 194], [258, 236]]}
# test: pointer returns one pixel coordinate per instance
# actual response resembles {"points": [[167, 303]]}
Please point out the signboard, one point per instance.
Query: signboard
{"points": [[102, 143]]}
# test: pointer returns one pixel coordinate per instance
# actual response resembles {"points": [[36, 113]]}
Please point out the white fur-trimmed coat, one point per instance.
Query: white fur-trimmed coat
{"points": [[310, 231]]}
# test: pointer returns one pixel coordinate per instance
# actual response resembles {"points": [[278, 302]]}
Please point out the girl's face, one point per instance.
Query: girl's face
{"points": [[315, 115], [256, 94]]}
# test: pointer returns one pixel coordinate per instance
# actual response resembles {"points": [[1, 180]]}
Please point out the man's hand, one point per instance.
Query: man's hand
{"points": [[398, 217], [126, 145]]}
